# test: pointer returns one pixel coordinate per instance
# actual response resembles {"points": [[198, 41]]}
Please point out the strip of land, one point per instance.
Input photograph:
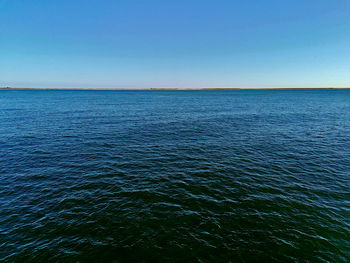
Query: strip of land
{"points": [[169, 89]]}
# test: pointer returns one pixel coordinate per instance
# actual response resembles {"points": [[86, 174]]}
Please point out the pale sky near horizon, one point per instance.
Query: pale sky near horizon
{"points": [[181, 44]]}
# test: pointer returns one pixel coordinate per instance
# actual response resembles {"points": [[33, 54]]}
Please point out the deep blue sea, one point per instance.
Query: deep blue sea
{"points": [[175, 176]]}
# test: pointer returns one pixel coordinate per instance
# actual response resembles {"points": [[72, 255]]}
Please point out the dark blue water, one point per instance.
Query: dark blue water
{"points": [[177, 176]]}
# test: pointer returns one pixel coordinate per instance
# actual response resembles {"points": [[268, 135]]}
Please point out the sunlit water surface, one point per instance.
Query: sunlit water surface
{"points": [[177, 176]]}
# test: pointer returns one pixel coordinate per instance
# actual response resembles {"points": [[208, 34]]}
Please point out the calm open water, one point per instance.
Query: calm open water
{"points": [[177, 176]]}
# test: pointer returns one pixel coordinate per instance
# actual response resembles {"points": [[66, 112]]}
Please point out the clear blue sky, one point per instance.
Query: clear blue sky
{"points": [[179, 43]]}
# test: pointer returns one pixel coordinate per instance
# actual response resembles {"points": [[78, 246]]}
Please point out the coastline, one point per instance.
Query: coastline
{"points": [[172, 89]]}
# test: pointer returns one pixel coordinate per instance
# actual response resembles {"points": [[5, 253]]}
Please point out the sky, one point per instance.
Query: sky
{"points": [[174, 44]]}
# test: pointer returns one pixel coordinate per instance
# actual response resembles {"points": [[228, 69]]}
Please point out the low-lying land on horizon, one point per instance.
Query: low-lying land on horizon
{"points": [[170, 89]]}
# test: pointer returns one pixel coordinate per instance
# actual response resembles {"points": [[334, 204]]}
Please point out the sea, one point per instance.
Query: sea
{"points": [[175, 176]]}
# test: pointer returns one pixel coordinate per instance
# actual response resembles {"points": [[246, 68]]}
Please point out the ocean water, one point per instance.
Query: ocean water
{"points": [[175, 176]]}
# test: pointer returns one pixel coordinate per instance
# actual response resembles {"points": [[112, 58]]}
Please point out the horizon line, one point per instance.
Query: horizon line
{"points": [[170, 89]]}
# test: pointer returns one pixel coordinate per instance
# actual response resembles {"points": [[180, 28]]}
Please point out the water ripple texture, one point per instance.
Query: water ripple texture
{"points": [[175, 176]]}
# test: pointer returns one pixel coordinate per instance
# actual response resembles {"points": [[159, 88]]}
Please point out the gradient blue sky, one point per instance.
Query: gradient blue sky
{"points": [[179, 43]]}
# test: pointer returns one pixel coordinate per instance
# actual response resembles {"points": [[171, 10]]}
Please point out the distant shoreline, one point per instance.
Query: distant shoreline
{"points": [[170, 89]]}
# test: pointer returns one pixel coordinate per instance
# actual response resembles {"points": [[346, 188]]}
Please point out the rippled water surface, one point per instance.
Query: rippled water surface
{"points": [[177, 176]]}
